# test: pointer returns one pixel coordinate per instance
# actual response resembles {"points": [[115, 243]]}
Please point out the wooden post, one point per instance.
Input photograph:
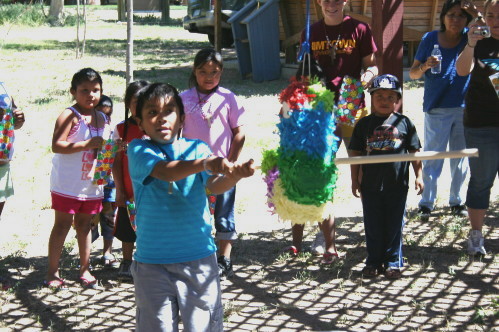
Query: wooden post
{"points": [[217, 12], [388, 35], [165, 11]]}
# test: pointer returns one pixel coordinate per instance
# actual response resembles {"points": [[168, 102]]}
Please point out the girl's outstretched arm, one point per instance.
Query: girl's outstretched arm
{"points": [[63, 125], [221, 183]]}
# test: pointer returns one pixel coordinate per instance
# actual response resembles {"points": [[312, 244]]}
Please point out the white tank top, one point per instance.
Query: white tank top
{"points": [[72, 173]]}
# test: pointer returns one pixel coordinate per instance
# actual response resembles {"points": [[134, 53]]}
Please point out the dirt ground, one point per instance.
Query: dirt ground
{"points": [[442, 289]]}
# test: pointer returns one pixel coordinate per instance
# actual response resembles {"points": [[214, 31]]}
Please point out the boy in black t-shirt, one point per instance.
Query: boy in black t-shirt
{"points": [[383, 186]]}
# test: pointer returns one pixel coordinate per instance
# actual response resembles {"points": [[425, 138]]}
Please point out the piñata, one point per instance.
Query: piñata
{"points": [[301, 173]]}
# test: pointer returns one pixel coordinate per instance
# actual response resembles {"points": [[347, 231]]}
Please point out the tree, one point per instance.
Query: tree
{"points": [[56, 12]]}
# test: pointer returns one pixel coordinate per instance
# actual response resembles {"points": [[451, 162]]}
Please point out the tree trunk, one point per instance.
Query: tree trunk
{"points": [[56, 11]]}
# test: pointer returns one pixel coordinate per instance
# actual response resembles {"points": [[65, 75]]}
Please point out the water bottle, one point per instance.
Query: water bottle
{"points": [[437, 54]]}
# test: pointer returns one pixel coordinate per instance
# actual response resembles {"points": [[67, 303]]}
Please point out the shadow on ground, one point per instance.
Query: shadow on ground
{"points": [[442, 288]]}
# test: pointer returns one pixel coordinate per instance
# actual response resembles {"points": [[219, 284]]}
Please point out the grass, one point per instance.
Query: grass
{"points": [[272, 290]]}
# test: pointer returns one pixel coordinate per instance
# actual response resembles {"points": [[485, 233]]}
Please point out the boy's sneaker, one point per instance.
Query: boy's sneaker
{"points": [[318, 244], [475, 243], [459, 210], [124, 269], [225, 267], [424, 213]]}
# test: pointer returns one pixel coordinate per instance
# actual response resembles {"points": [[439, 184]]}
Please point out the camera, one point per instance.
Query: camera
{"points": [[482, 30]]}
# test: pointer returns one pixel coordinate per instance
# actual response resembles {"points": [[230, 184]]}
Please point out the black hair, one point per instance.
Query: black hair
{"points": [[105, 101], [85, 75], [158, 90], [311, 70], [131, 90], [203, 56], [446, 7]]}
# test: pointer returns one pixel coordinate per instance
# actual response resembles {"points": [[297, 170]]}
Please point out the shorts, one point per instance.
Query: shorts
{"points": [[75, 206], [109, 192], [106, 221], [123, 230], [191, 289], [6, 186], [485, 168]]}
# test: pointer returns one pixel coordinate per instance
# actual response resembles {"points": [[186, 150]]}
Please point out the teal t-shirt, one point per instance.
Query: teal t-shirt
{"points": [[173, 221]]}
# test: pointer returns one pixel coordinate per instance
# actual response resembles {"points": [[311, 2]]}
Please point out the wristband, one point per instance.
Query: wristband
{"points": [[205, 161]]}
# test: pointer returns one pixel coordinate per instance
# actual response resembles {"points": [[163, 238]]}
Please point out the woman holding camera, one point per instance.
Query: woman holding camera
{"points": [[481, 116], [443, 104]]}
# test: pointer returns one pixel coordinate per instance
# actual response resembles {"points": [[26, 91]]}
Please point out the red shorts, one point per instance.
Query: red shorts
{"points": [[74, 206]]}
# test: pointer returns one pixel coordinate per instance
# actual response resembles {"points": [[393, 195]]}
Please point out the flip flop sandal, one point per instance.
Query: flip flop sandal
{"points": [[55, 284], [392, 273], [370, 272], [329, 257], [88, 283], [292, 251], [110, 261]]}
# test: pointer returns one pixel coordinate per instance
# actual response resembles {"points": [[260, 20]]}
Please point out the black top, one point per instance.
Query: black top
{"points": [[374, 135]]}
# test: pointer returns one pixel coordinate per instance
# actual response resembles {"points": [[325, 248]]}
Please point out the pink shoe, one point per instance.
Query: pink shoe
{"points": [[292, 251]]}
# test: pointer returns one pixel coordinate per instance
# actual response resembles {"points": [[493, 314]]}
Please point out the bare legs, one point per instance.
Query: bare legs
{"points": [[328, 228], [476, 218], [225, 248], [62, 224]]}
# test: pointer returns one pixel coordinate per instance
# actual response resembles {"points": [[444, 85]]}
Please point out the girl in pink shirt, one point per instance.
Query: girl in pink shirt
{"points": [[214, 115]]}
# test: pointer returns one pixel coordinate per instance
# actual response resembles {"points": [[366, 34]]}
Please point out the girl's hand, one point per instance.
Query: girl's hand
{"points": [[94, 142], [218, 165], [244, 170], [18, 118], [121, 146], [431, 62], [473, 37]]}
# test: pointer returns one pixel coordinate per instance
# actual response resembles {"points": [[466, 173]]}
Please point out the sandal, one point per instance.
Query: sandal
{"points": [[370, 271], [89, 283], [329, 257], [110, 261], [55, 284], [292, 251], [393, 273]]}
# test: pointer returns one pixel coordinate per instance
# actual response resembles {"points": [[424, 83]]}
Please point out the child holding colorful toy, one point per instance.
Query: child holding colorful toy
{"points": [[126, 131], [214, 115], [106, 217], [175, 269], [78, 135], [11, 118], [345, 50], [383, 187]]}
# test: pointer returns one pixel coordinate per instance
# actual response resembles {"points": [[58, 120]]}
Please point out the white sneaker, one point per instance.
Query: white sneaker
{"points": [[318, 244], [475, 243]]}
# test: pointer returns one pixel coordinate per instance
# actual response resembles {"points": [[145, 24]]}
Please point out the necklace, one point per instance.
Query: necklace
{"points": [[333, 46], [207, 115]]}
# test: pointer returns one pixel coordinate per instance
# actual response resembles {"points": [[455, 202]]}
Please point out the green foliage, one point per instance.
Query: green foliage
{"points": [[29, 15]]}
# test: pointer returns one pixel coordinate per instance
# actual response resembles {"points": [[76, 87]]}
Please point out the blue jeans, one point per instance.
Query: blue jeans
{"points": [[384, 219], [444, 126], [485, 168], [224, 215]]}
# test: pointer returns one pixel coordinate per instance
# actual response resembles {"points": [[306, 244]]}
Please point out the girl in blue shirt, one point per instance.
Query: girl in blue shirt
{"points": [[175, 269]]}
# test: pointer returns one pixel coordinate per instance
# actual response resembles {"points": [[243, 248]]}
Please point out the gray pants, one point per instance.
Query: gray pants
{"points": [[191, 289]]}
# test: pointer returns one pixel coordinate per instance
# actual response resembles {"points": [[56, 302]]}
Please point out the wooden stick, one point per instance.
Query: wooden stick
{"points": [[390, 158]]}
